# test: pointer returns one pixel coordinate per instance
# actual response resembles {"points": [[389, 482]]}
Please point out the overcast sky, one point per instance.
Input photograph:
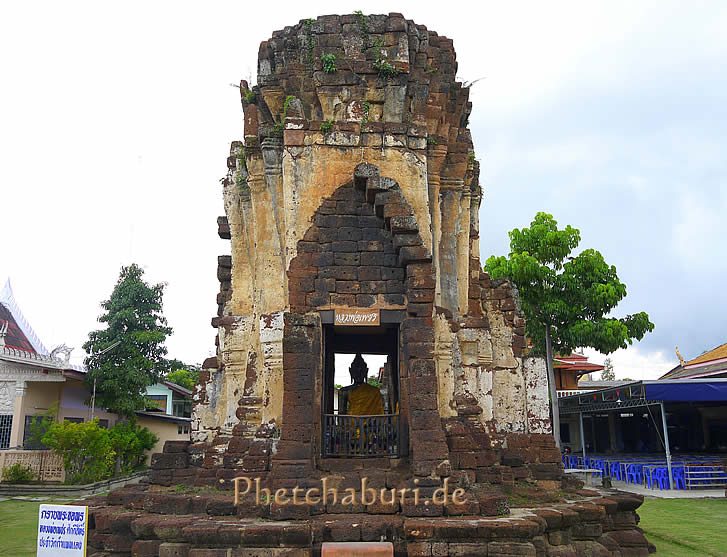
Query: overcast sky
{"points": [[116, 118]]}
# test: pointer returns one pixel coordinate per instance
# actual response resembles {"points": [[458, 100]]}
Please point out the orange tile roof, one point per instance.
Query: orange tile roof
{"points": [[716, 354]]}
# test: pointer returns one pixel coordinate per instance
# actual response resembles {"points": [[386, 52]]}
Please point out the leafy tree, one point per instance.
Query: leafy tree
{"points": [[607, 374], [373, 380], [566, 299], [129, 442], [184, 377], [129, 354]]}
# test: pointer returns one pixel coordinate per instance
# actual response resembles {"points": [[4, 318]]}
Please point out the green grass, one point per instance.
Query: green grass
{"points": [[680, 527], [20, 518]]}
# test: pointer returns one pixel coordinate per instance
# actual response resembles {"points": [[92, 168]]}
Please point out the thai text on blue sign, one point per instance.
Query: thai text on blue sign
{"points": [[62, 531]]}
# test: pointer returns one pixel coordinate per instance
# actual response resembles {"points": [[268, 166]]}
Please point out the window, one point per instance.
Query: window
{"points": [[73, 420], [182, 407], [32, 432], [6, 426], [104, 424], [156, 403]]}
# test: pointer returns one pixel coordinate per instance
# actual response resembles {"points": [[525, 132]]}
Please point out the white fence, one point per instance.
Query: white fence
{"points": [[46, 465]]}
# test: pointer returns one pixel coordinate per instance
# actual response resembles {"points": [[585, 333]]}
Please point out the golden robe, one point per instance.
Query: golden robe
{"points": [[365, 400]]}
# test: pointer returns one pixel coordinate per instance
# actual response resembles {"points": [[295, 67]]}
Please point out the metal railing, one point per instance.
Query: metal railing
{"points": [[571, 392], [361, 436]]}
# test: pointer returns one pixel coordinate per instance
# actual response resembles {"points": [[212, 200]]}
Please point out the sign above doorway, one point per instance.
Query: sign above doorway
{"points": [[357, 317]]}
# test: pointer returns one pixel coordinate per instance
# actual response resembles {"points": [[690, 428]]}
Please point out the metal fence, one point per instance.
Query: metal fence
{"points": [[361, 436]]}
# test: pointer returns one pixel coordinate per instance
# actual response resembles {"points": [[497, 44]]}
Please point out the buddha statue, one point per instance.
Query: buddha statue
{"points": [[360, 398]]}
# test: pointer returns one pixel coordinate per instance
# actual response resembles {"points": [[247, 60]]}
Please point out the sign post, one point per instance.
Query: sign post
{"points": [[62, 531]]}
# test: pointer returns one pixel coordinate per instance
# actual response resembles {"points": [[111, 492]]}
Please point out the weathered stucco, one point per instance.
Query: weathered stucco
{"points": [[306, 133]]}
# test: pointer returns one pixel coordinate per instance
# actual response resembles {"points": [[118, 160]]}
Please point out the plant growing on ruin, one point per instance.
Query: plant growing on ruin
{"points": [[383, 67], [289, 99], [432, 141], [363, 25], [327, 126], [241, 182], [365, 117], [249, 96], [128, 355], [329, 62], [309, 40], [565, 298]]}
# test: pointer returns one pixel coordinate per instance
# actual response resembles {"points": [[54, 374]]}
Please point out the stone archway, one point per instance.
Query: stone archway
{"points": [[363, 249]]}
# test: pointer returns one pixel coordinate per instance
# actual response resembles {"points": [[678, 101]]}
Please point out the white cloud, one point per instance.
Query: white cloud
{"points": [[635, 362]]}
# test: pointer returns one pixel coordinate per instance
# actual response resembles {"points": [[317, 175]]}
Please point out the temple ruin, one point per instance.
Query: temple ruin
{"points": [[351, 208]]}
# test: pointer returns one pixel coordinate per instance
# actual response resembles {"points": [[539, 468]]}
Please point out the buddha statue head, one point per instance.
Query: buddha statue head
{"points": [[358, 370]]}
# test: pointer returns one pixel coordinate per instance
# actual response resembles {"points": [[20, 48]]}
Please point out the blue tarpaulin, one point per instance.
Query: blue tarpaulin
{"points": [[705, 391]]}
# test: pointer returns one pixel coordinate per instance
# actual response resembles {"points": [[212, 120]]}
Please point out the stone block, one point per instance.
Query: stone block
{"points": [[163, 461], [174, 550], [509, 548], [467, 549], [145, 548], [357, 549]]}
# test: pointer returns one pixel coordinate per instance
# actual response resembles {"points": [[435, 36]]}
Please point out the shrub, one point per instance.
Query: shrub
{"points": [[91, 453], [130, 441], [18, 474], [86, 449]]}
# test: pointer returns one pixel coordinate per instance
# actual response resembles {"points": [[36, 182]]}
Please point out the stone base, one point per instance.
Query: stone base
{"points": [[145, 522]]}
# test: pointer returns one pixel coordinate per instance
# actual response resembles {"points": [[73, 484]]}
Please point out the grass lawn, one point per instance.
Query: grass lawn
{"points": [[680, 527], [19, 524]]}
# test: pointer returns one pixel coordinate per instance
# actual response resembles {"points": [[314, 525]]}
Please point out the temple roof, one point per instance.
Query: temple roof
{"points": [[20, 334], [576, 362], [717, 354]]}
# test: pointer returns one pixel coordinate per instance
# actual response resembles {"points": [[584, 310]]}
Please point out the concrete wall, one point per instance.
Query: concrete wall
{"points": [[166, 430]]}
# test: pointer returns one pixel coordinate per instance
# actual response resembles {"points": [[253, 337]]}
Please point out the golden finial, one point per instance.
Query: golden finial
{"points": [[681, 360]]}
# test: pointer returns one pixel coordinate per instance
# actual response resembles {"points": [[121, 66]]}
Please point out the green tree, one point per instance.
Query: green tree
{"points": [[129, 354], [184, 376], [607, 374], [130, 441], [566, 299]]}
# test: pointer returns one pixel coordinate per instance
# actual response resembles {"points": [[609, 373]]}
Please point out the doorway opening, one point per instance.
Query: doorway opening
{"points": [[361, 392]]}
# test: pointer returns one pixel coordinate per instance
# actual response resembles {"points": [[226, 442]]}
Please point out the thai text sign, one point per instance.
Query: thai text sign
{"points": [[357, 317], [62, 531]]}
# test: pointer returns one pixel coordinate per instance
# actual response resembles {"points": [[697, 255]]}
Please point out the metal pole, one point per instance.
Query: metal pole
{"points": [[583, 439], [93, 397], [554, 406], [666, 445]]}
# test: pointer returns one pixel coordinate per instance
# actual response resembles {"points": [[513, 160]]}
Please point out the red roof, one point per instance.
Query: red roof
{"points": [[576, 362], [15, 338]]}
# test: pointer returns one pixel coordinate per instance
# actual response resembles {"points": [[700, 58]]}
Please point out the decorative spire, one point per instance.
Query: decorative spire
{"points": [[681, 360]]}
